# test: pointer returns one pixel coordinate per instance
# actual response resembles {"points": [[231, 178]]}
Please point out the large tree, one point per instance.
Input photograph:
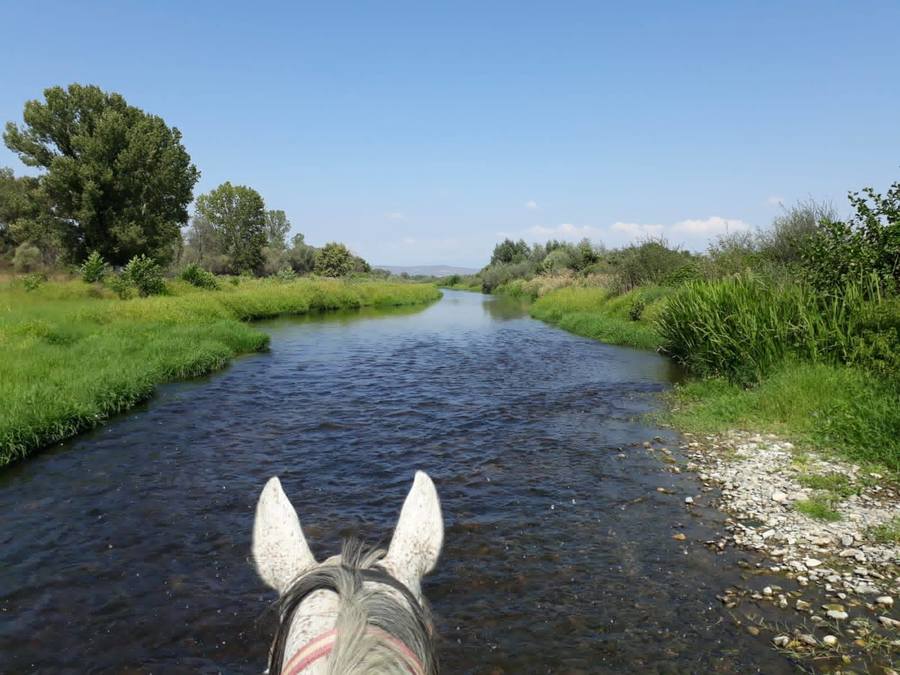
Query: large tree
{"points": [[277, 227], [118, 180], [238, 215]]}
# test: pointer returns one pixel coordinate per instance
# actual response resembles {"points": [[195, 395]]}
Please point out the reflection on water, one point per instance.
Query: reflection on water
{"points": [[128, 549]]}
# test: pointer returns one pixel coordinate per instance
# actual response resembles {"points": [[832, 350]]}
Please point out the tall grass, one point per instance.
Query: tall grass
{"points": [[742, 327], [71, 355]]}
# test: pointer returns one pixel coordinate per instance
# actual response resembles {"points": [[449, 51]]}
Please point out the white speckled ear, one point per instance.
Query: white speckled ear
{"points": [[419, 535], [280, 550]]}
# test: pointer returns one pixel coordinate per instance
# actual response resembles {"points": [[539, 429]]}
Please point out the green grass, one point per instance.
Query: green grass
{"points": [[596, 313], [886, 533], [820, 507], [840, 408], [71, 354], [835, 484]]}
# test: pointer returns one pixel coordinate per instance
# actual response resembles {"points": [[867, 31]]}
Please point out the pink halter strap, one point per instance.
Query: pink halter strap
{"points": [[322, 646]]}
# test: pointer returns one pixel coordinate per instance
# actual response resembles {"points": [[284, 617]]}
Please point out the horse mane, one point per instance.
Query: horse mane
{"points": [[358, 650]]}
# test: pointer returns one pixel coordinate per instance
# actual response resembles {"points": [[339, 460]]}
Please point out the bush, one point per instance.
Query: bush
{"points": [[334, 260], [286, 274], [784, 242], [27, 258], [120, 285], [497, 275], [145, 275], [199, 277], [94, 268], [647, 263], [844, 252], [33, 281]]}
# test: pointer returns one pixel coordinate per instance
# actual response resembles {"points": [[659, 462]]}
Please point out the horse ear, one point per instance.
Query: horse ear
{"points": [[280, 550], [419, 534]]}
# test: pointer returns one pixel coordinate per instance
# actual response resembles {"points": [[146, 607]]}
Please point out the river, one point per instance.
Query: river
{"points": [[128, 548]]}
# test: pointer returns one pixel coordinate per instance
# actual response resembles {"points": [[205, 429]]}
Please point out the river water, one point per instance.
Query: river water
{"points": [[128, 548]]}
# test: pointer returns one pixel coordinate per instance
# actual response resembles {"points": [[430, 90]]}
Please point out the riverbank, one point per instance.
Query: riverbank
{"points": [[73, 354], [805, 461]]}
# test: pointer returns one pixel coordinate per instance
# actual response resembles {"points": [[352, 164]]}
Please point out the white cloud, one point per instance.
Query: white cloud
{"points": [[566, 231], [775, 200], [531, 205], [637, 230], [714, 225]]}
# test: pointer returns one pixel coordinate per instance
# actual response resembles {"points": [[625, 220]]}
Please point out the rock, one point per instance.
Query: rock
{"points": [[753, 630], [889, 622], [802, 605], [830, 640], [679, 537], [837, 615], [779, 497], [688, 500], [812, 562], [768, 534], [809, 639], [767, 590], [847, 540], [885, 600], [781, 640]]}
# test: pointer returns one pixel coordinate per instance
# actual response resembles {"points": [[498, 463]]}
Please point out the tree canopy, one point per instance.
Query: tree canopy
{"points": [[237, 214], [118, 180]]}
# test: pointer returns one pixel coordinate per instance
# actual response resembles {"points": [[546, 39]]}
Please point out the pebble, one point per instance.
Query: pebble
{"points": [[779, 497], [688, 500], [767, 590], [830, 640], [889, 622], [781, 640], [837, 614], [885, 600], [802, 605], [812, 562]]}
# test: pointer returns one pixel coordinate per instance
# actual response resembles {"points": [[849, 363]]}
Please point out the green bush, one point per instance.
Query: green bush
{"points": [[286, 274], [334, 260], [843, 252], [34, 281], [94, 268], [120, 285], [27, 258], [647, 263], [145, 275], [199, 277]]}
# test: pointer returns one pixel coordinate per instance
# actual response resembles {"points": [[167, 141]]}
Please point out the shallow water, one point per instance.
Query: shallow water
{"points": [[127, 549]]}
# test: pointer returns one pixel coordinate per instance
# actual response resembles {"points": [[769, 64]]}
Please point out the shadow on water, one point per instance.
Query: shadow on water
{"points": [[127, 549]]}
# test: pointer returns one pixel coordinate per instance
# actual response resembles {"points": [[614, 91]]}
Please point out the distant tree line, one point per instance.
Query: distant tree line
{"points": [[117, 181]]}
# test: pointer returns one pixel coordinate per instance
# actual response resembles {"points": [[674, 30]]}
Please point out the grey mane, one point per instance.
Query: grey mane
{"points": [[357, 652]]}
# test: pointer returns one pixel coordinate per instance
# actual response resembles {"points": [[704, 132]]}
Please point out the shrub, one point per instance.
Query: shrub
{"points": [[120, 285], [286, 274], [94, 268], [784, 241], [636, 309], [27, 258], [648, 262], [334, 260], [497, 275], [145, 275], [841, 252], [34, 280], [199, 277]]}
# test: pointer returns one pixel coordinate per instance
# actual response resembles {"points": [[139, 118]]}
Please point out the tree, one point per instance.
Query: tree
{"points": [[277, 227], [25, 216], [118, 180], [509, 251], [237, 214], [334, 260], [302, 256]]}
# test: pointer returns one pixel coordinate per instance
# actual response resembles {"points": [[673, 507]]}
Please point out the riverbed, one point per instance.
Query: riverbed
{"points": [[128, 548]]}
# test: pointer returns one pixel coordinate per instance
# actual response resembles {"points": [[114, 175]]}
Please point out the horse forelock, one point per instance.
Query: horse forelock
{"points": [[369, 597]]}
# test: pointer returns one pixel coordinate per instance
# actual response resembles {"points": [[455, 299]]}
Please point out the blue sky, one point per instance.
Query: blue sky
{"points": [[422, 133]]}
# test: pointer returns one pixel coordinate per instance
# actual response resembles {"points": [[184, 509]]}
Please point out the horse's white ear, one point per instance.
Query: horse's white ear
{"points": [[419, 534], [280, 550]]}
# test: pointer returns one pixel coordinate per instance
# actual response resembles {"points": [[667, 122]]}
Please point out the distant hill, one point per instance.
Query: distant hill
{"points": [[427, 270]]}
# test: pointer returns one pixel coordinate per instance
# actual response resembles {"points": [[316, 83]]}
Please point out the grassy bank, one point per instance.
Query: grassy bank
{"points": [[72, 354], [819, 371]]}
